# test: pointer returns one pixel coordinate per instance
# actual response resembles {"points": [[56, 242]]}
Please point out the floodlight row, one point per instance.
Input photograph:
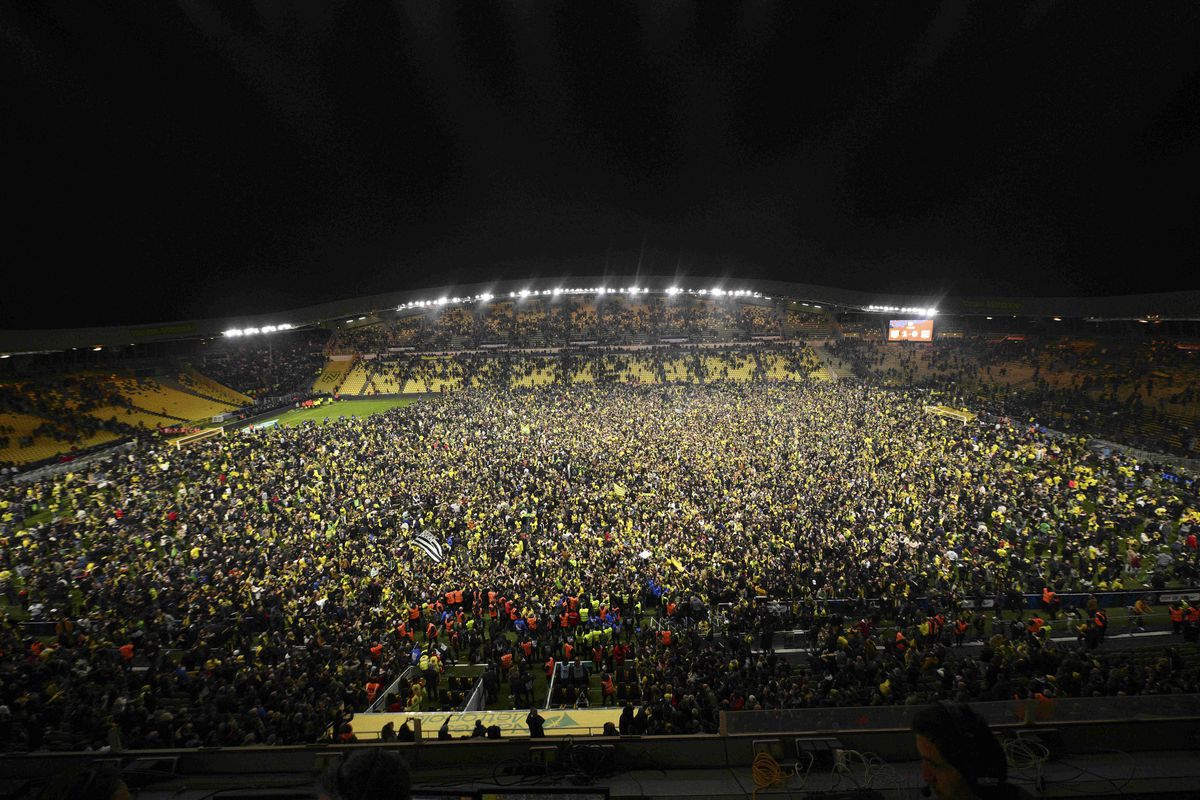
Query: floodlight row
{"points": [[252, 331], [596, 290], [925, 312]]}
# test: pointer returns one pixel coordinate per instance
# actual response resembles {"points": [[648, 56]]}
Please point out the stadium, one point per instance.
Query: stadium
{"points": [[750, 513], [599, 400]]}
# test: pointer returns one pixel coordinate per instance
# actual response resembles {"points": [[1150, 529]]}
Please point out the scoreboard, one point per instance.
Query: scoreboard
{"points": [[910, 330]]}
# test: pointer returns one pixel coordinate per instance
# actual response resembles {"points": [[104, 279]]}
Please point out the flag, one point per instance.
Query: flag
{"points": [[432, 547], [619, 490]]}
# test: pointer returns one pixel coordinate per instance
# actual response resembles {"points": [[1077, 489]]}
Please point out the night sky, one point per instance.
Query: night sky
{"points": [[173, 160]]}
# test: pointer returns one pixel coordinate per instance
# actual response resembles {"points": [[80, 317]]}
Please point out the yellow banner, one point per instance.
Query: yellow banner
{"points": [[558, 722], [962, 415]]}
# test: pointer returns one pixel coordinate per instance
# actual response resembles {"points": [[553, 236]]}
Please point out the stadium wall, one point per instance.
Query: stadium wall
{"points": [[704, 761]]}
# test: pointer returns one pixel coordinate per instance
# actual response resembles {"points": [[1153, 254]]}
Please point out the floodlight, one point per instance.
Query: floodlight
{"points": [[97, 349]]}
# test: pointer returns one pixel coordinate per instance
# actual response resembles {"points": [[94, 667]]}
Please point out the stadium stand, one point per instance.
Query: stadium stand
{"points": [[355, 380], [203, 386], [280, 365]]}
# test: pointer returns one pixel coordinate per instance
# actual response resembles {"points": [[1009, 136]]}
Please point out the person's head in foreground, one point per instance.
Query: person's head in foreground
{"points": [[371, 774], [960, 756]]}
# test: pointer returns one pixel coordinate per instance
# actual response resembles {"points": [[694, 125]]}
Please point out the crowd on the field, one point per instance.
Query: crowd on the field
{"points": [[259, 588], [510, 370]]}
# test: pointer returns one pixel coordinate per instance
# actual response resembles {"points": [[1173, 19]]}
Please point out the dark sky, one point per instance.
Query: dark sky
{"points": [[170, 160]]}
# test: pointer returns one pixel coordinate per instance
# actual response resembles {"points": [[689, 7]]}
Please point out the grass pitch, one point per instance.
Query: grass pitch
{"points": [[343, 408]]}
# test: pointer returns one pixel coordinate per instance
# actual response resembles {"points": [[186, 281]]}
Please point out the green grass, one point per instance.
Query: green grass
{"points": [[344, 408], [37, 518]]}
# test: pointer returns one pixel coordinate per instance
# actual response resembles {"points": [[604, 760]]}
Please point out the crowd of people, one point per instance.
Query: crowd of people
{"points": [[66, 406], [510, 370], [255, 589], [277, 364], [1138, 393], [542, 322]]}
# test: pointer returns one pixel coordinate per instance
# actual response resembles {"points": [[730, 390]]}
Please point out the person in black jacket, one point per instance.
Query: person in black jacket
{"points": [[625, 723], [536, 723]]}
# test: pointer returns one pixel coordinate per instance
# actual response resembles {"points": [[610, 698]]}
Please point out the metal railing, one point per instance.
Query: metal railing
{"points": [[477, 699], [550, 687], [378, 705]]}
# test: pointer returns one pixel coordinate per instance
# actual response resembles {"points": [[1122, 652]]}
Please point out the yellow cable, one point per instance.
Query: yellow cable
{"points": [[766, 772]]}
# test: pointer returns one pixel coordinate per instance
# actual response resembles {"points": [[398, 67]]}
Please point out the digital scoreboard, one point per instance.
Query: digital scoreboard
{"points": [[910, 330]]}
